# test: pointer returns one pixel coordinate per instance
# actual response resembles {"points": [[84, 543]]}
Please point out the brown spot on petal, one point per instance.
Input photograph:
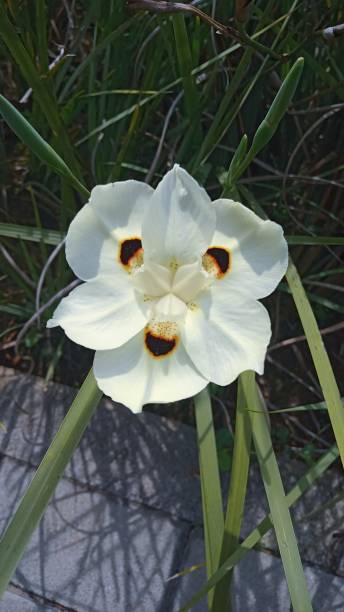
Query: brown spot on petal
{"points": [[131, 252], [217, 261], [158, 346], [161, 338]]}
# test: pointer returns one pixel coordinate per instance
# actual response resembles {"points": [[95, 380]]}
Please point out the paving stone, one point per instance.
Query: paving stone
{"points": [[153, 460], [12, 602], [92, 553], [259, 583], [133, 456]]}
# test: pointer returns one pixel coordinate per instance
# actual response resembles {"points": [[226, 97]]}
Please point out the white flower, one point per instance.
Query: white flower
{"points": [[172, 282]]}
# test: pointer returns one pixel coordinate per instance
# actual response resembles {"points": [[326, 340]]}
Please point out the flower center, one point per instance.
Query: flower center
{"points": [[180, 285], [170, 290]]}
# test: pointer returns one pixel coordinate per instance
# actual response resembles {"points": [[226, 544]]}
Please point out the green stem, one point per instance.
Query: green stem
{"points": [[46, 478], [210, 483], [320, 357], [185, 67], [236, 497], [276, 497]]}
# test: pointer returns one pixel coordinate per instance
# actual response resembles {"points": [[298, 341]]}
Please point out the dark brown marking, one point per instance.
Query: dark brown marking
{"points": [[159, 346], [129, 249], [222, 258]]}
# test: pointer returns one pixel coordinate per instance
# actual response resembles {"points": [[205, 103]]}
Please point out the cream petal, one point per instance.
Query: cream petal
{"points": [[130, 375], [101, 314], [179, 222], [189, 280], [259, 251], [113, 214], [225, 334], [170, 308], [153, 279]]}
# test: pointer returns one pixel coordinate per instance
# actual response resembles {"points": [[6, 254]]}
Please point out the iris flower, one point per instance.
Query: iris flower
{"points": [[172, 280]]}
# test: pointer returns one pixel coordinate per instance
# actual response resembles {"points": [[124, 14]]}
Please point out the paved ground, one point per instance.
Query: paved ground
{"points": [[127, 515]]}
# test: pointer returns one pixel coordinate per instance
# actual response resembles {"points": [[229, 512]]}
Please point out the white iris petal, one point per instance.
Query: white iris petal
{"points": [[170, 308], [180, 220], [190, 280], [170, 301], [153, 279]]}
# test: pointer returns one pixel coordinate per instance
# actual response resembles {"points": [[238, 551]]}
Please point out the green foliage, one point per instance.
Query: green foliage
{"points": [[224, 447]]}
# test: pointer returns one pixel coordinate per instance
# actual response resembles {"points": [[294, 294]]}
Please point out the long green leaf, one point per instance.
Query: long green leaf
{"points": [[33, 234], [302, 485], [276, 497], [29, 136], [46, 478], [40, 87], [236, 496], [185, 66], [171, 86], [320, 357], [210, 482], [325, 240]]}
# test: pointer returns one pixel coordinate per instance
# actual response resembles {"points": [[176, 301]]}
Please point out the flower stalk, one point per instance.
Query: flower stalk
{"points": [[270, 123], [236, 496], [210, 484]]}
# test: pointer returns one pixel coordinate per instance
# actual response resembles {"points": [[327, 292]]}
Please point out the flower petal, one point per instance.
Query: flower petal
{"points": [[113, 214], [225, 334], [180, 221], [130, 375], [258, 249], [189, 280], [169, 308], [153, 279], [101, 314]]}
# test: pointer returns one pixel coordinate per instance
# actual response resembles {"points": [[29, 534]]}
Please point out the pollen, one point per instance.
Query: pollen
{"points": [[173, 265], [161, 338], [217, 261], [130, 253]]}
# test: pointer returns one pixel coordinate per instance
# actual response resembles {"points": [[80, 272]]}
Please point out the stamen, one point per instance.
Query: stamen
{"points": [[173, 265]]}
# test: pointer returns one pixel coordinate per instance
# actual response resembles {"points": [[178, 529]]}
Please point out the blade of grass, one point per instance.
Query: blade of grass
{"points": [[320, 357], [46, 478], [171, 86], [317, 299], [302, 485], [40, 88], [34, 234], [32, 139], [41, 28], [185, 67], [37, 234], [326, 240], [91, 57], [210, 482], [276, 497], [236, 496]]}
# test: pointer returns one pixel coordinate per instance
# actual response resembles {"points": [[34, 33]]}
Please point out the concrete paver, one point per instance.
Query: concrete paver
{"points": [[93, 553], [259, 583], [12, 602], [119, 523]]}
